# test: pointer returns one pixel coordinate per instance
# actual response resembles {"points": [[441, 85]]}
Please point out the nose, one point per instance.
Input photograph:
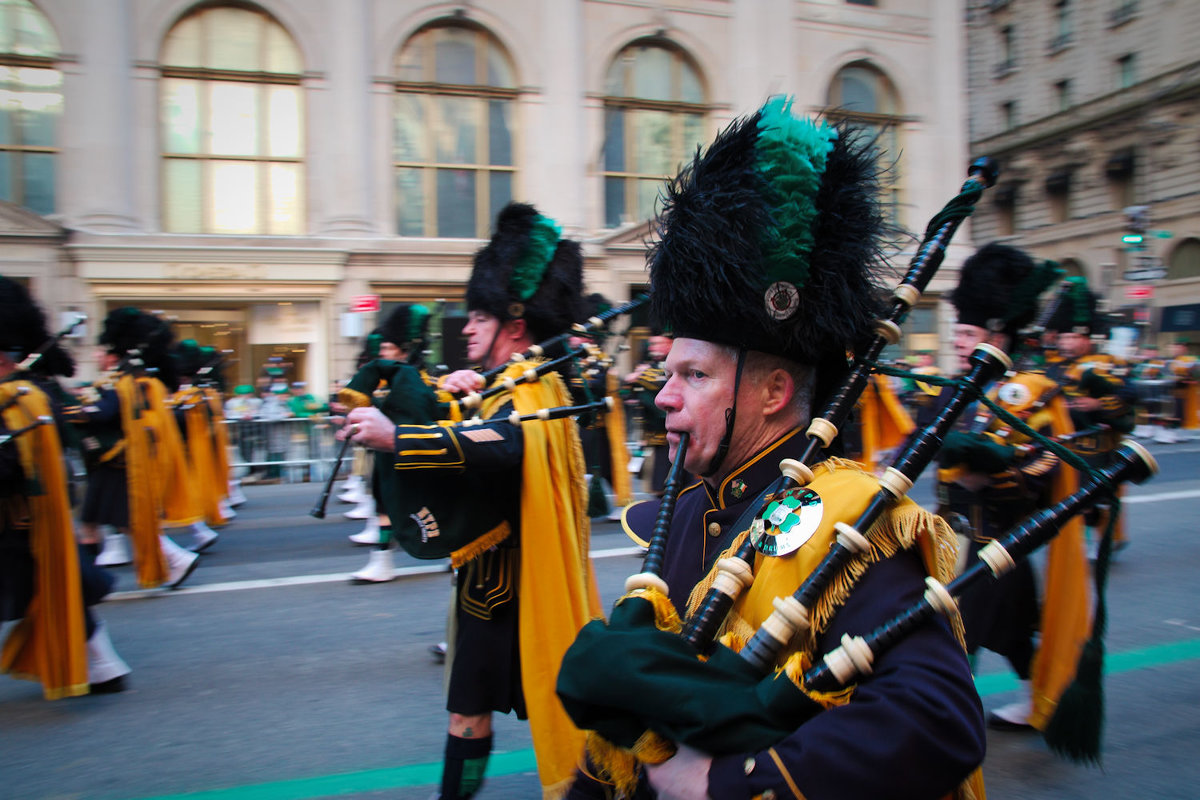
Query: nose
{"points": [[668, 397]]}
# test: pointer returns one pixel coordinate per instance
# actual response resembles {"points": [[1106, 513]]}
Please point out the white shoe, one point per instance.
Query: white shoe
{"points": [[225, 510], [180, 563], [364, 510], [236, 495], [1143, 431], [203, 537], [353, 490], [1165, 436], [380, 568], [369, 534], [1015, 714], [115, 552], [105, 667]]}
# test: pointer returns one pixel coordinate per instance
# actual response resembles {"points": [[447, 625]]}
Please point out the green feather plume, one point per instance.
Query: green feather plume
{"points": [[417, 314], [1026, 293], [529, 269], [791, 159]]}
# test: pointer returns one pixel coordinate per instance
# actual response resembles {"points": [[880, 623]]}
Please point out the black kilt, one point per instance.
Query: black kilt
{"points": [[106, 501], [1003, 615], [485, 674]]}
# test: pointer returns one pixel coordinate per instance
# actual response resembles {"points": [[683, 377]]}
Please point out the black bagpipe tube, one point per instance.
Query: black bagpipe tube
{"points": [[701, 628], [549, 347], [792, 614], [652, 565], [318, 510], [44, 348], [1031, 336], [15, 398], [558, 412], [1131, 462], [37, 423], [475, 399]]}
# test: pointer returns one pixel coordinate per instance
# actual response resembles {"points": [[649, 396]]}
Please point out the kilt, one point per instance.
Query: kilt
{"points": [[106, 501]]}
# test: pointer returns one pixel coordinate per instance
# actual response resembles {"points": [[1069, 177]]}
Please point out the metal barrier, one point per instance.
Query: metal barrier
{"points": [[292, 450], [1156, 400]]}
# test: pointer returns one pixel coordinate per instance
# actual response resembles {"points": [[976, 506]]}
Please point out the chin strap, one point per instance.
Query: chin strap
{"points": [[730, 419]]}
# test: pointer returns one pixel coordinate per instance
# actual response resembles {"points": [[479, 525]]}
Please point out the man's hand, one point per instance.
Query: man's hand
{"points": [[1086, 404], [463, 381], [368, 427], [684, 776]]}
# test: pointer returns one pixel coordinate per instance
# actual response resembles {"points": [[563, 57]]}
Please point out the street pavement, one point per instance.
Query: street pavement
{"points": [[268, 676]]}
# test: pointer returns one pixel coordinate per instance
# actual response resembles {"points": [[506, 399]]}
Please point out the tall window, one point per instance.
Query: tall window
{"points": [[1126, 71], [866, 99], [232, 125], [653, 119], [1008, 114], [1062, 95], [452, 148], [31, 104], [1185, 260]]}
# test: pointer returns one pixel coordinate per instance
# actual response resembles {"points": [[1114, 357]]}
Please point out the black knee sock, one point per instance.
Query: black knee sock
{"points": [[462, 772]]}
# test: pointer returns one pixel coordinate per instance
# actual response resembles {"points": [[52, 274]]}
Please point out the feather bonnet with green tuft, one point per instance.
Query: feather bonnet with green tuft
{"points": [[528, 271], [1076, 312], [770, 239], [23, 330], [999, 286]]}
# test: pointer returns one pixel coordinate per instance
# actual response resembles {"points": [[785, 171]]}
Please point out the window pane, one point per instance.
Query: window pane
{"points": [[233, 204], [693, 135], [614, 201], [182, 192], [7, 190], [410, 140], [647, 200], [690, 89], [614, 140], [181, 115], [286, 201], [182, 45], [614, 85], [233, 119], [455, 128], [233, 39], [284, 126], [410, 64], [499, 70], [652, 74], [23, 30], [456, 203], [454, 56], [281, 52], [410, 202], [857, 92], [652, 142], [39, 182], [499, 194], [500, 132]]}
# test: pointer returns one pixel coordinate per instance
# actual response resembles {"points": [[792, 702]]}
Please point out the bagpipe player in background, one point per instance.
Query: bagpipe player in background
{"points": [[1098, 395], [765, 270], [643, 385], [989, 480], [508, 502], [47, 582]]}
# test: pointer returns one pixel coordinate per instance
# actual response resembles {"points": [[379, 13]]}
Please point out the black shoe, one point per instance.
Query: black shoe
{"points": [[111, 686], [1001, 724], [438, 651]]}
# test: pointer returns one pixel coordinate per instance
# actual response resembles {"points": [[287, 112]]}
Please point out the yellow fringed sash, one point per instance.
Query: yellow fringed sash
{"points": [[140, 468], [557, 589], [885, 423], [618, 448], [50, 643]]}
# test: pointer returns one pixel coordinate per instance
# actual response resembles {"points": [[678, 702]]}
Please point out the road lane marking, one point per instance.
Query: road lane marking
{"points": [[1185, 494], [518, 762]]}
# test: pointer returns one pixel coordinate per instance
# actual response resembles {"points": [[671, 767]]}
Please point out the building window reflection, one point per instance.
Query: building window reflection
{"points": [[232, 125], [865, 99], [654, 112], [31, 105], [453, 132]]}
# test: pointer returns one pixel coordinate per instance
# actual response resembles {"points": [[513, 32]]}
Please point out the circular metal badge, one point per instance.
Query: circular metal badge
{"points": [[782, 299], [1016, 395], [789, 519]]}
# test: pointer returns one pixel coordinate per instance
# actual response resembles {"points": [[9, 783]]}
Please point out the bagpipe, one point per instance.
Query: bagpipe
{"points": [[599, 703]]}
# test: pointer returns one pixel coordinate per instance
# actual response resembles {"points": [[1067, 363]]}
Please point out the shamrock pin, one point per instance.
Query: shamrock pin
{"points": [[782, 513]]}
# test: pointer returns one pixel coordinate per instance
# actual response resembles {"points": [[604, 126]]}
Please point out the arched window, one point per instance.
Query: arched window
{"points": [[1073, 268], [31, 104], [653, 119], [1185, 260], [232, 125], [865, 98], [452, 150]]}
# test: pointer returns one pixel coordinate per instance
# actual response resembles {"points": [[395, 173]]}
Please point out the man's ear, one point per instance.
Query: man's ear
{"points": [[778, 390], [515, 329]]}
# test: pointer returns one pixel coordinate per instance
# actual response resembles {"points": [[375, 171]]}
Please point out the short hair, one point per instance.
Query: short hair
{"points": [[759, 365]]}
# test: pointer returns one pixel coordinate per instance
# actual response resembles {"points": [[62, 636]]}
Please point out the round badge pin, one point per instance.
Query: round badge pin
{"points": [[789, 519], [782, 299]]}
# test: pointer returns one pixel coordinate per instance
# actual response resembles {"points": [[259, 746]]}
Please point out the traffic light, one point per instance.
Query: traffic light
{"points": [[1137, 220]]}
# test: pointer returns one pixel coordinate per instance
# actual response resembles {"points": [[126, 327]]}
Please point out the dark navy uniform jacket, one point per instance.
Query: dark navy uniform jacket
{"points": [[913, 729]]}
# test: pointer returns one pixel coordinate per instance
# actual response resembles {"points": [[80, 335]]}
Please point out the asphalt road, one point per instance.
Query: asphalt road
{"points": [[269, 676]]}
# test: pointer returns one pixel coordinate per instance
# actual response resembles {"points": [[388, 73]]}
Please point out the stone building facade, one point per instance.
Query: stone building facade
{"points": [[1093, 110], [255, 170]]}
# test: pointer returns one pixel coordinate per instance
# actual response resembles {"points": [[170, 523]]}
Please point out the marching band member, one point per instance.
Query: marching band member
{"points": [[46, 582], [1097, 394], [194, 403], [643, 385], [991, 483], [513, 497], [764, 271]]}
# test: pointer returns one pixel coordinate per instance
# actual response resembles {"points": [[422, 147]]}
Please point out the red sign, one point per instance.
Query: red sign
{"points": [[364, 302], [1139, 292]]}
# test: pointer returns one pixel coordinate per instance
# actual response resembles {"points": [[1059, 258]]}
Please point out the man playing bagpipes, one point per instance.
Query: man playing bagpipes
{"points": [[643, 385], [198, 412], [1098, 395], [507, 504], [133, 451], [395, 384], [990, 479], [764, 270], [46, 581]]}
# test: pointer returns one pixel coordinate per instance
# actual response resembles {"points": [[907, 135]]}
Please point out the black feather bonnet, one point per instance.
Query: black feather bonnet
{"points": [[23, 331], [999, 286]]}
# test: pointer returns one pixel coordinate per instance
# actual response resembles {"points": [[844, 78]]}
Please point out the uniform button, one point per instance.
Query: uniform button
{"points": [[769, 794], [749, 765], [714, 529]]}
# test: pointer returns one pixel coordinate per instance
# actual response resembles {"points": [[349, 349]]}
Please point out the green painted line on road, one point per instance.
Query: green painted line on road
{"points": [[521, 761]]}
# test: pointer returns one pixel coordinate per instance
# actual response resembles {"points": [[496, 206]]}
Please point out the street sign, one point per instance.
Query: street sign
{"points": [[1139, 292], [1145, 274], [365, 302]]}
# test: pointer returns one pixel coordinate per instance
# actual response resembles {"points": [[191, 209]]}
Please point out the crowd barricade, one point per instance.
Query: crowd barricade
{"points": [[1156, 402], [291, 450]]}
